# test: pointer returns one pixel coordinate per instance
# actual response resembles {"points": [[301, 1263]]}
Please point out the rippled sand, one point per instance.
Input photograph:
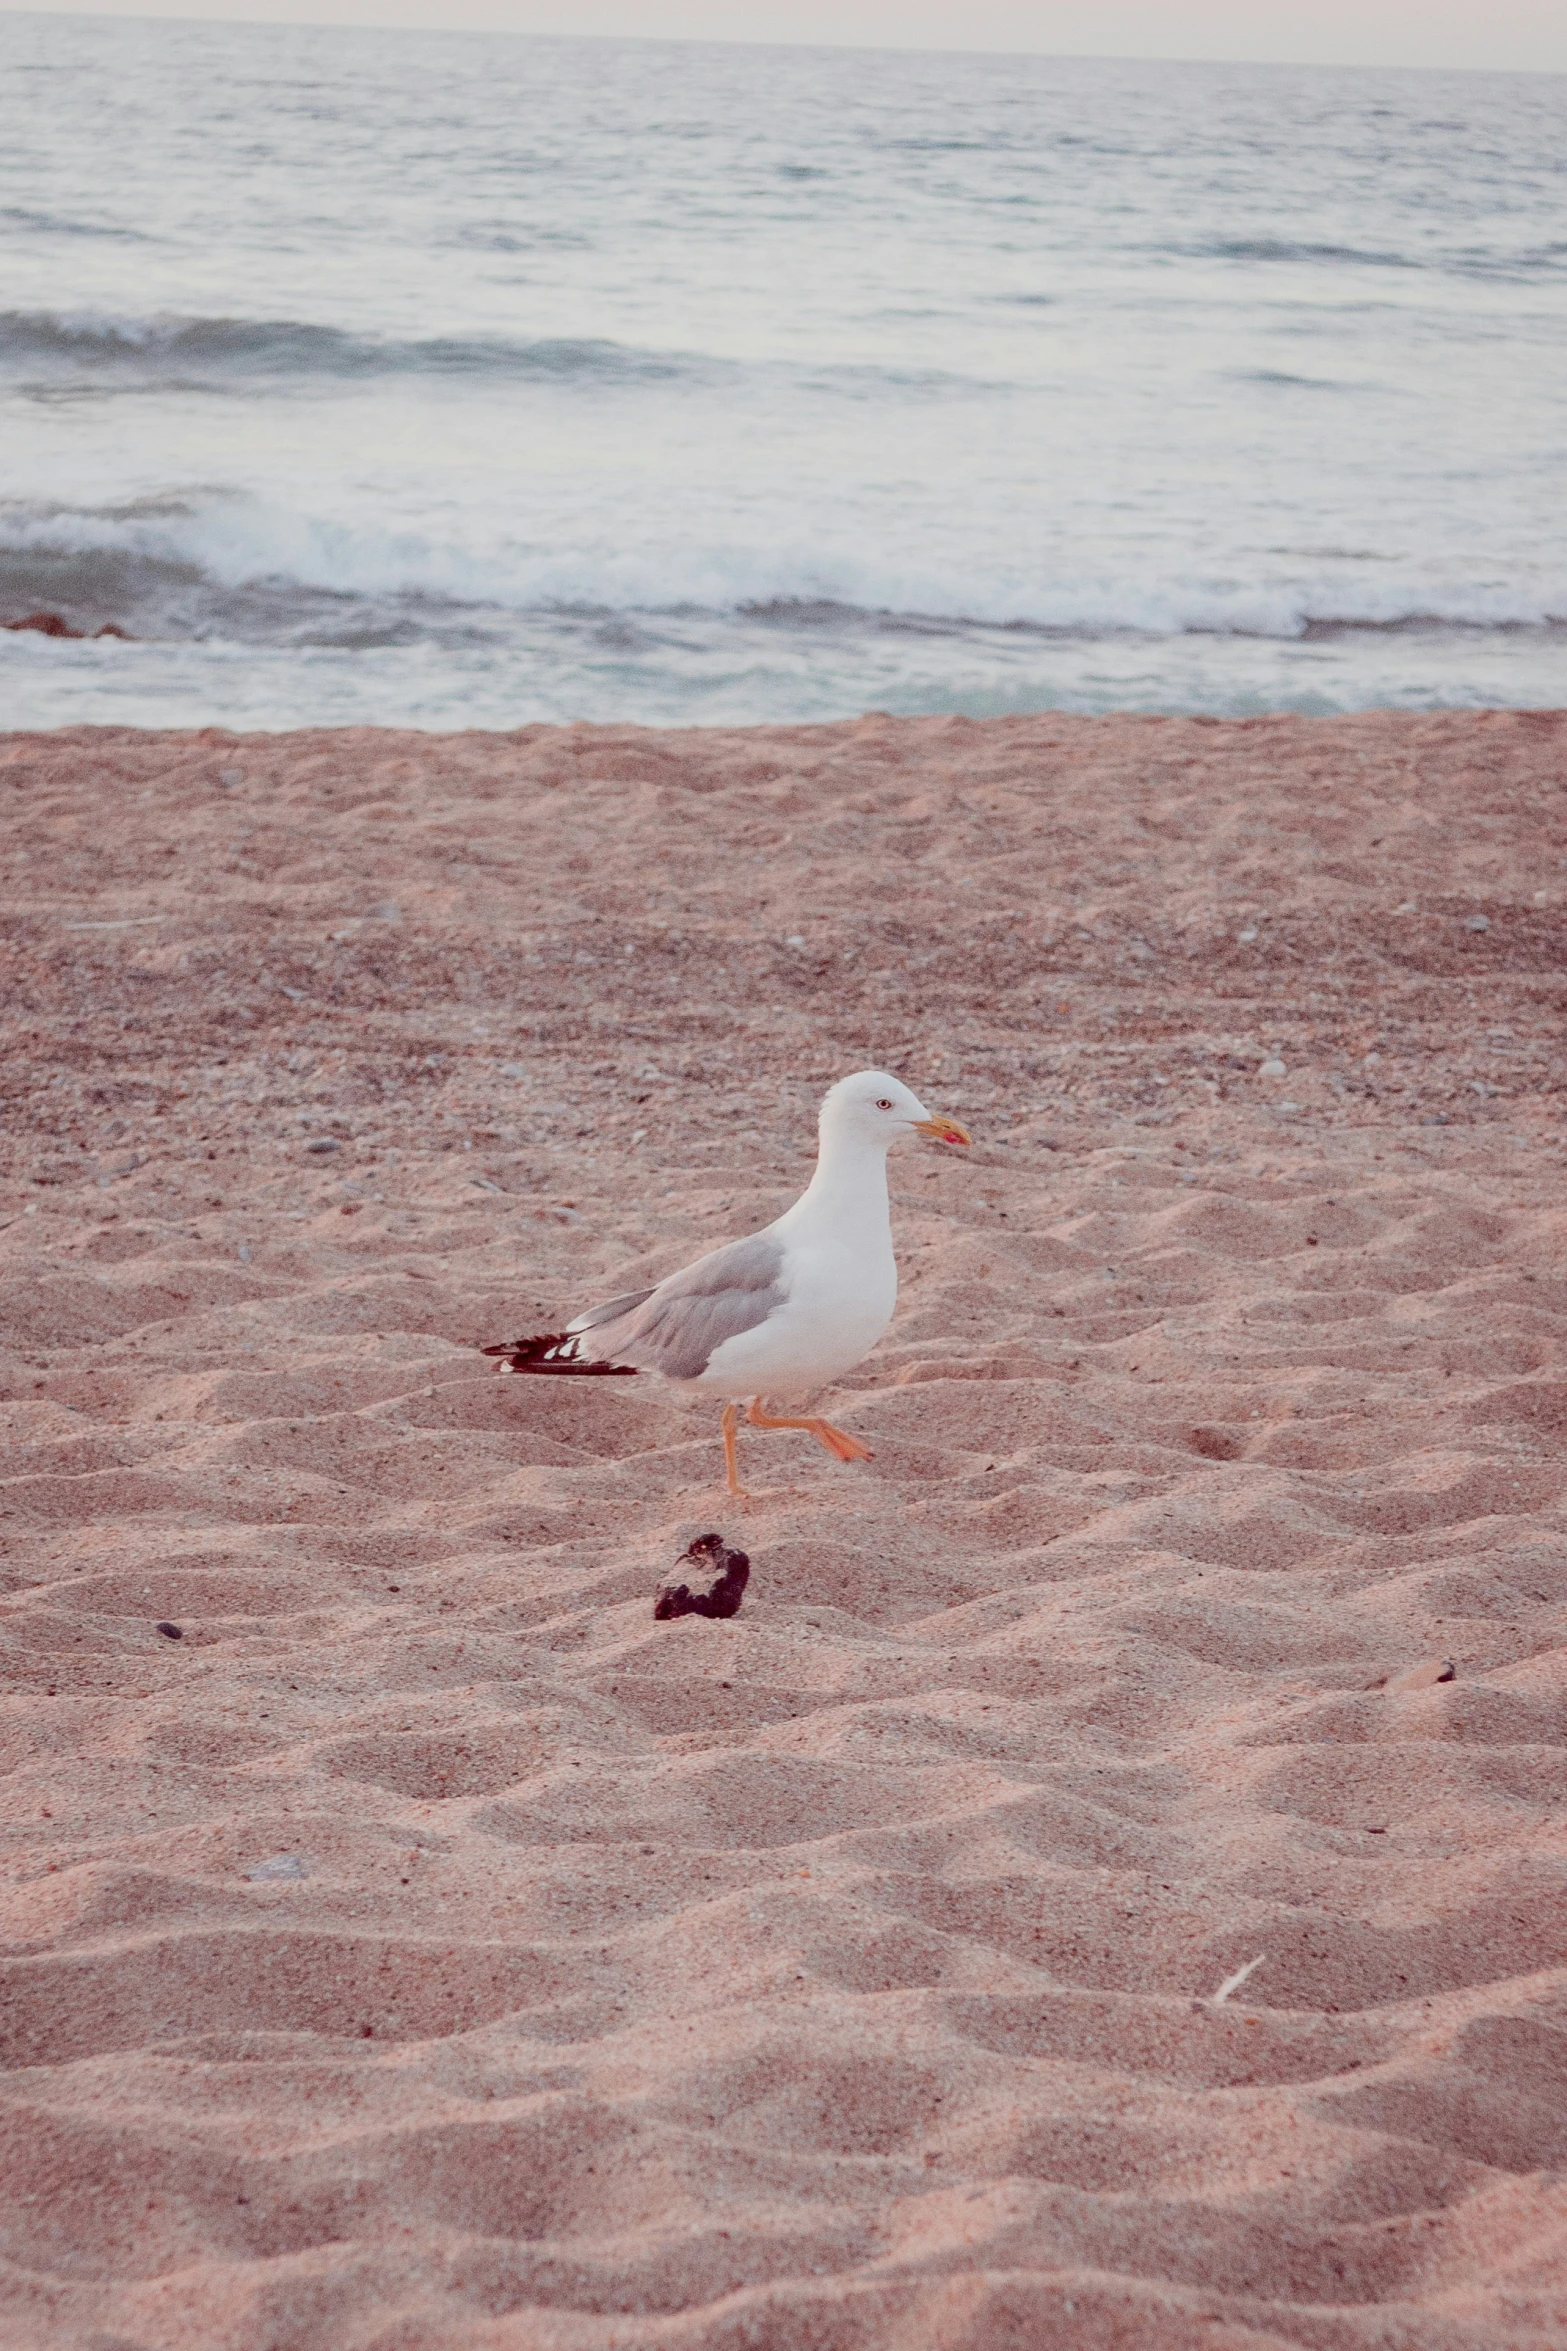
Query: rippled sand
{"points": [[841, 1975]]}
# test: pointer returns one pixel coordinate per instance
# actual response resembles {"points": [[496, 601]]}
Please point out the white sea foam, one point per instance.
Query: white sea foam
{"points": [[230, 542]]}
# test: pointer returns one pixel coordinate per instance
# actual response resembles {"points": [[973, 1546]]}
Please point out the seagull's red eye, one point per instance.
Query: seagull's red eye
{"points": [[884, 1104]]}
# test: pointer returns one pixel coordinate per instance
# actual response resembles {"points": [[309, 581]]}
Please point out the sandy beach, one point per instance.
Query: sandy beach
{"points": [[406, 1944]]}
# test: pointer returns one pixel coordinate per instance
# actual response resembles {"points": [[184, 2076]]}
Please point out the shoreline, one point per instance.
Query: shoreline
{"points": [[421, 1940]]}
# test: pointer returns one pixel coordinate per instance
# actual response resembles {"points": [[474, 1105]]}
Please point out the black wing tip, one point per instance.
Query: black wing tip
{"points": [[554, 1353]]}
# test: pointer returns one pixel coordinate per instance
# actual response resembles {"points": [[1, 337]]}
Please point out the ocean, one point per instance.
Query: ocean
{"points": [[456, 380]]}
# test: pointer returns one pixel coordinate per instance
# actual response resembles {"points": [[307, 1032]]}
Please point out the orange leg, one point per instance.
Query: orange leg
{"points": [[838, 1442], [729, 1424]]}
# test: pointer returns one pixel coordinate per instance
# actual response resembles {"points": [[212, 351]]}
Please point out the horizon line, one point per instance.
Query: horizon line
{"points": [[217, 23]]}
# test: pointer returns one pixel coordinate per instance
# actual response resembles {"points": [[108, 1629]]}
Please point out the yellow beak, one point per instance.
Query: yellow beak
{"points": [[943, 1130]]}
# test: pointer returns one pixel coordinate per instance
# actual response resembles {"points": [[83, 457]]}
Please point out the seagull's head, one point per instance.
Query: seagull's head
{"points": [[873, 1107]]}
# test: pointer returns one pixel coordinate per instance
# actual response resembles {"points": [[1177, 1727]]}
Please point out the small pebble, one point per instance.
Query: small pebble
{"points": [[172, 1632], [324, 1143], [1478, 922], [1422, 1677], [1273, 1067], [281, 1865]]}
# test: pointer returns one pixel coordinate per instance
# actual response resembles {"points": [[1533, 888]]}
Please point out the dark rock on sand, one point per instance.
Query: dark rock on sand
{"points": [[51, 624], [722, 1596]]}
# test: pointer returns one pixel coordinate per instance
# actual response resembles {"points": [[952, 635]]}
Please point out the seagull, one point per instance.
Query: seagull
{"points": [[782, 1313]]}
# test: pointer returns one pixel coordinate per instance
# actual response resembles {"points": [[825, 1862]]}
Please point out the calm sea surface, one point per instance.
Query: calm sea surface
{"points": [[453, 380]]}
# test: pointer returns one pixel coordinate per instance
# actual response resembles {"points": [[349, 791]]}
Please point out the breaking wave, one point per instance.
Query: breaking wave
{"points": [[218, 562], [182, 347]]}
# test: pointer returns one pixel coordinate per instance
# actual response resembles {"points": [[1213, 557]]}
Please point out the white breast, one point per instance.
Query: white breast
{"points": [[840, 1280], [840, 1301]]}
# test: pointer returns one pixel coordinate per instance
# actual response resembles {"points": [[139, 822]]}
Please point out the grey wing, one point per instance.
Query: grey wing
{"points": [[611, 1310], [678, 1327]]}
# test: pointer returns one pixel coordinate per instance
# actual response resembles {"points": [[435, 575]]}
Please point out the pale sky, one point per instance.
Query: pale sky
{"points": [[1513, 35]]}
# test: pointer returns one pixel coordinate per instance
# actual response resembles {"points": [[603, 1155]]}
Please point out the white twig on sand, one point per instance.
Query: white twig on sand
{"points": [[1233, 1983]]}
